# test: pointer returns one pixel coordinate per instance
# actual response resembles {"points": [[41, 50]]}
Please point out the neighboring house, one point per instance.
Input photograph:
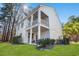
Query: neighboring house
{"points": [[41, 22]]}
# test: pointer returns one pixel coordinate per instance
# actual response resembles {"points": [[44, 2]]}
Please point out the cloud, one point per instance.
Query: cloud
{"points": [[26, 7]]}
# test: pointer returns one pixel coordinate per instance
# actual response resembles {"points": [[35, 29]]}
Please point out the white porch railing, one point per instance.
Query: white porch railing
{"points": [[43, 22], [35, 22], [29, 24]]}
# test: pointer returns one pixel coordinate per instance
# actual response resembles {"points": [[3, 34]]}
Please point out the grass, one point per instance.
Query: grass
{"points": [[7, 49]]}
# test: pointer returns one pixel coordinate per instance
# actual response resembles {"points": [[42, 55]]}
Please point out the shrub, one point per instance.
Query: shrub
{"points": [[52, 41], [46, 42], [60, 41], [63, 41], [16, 40], [66, 41]]}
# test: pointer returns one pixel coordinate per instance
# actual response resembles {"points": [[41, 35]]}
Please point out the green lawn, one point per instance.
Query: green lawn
{"points": [[7, 49]]}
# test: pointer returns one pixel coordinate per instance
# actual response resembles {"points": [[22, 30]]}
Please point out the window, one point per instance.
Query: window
{"points": [[18, 27], [22, 25], [21, 34], [0, 32], [21, 17], [0, 26], [28, 37]]}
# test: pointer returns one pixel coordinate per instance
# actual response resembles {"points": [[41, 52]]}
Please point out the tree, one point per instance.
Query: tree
{"points": [[7, 16], [15, 11], [71, 28], [6, 11], [9, 12]]}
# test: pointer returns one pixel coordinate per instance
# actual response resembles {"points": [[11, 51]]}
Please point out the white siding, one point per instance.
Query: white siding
{"points": [[55, 27], [45, 34]]}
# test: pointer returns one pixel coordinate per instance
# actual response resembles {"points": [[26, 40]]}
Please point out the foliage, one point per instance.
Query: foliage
{"points": [[66, 41], [6, 11], [8, 14], [46, 42], [63, 41], [71, 28], [16, 40]]}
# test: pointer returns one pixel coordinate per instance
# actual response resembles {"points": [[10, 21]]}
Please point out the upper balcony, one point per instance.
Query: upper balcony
{"points": [[43, 22], [43, 19]]}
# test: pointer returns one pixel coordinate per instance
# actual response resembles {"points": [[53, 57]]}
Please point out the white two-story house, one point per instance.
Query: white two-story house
{"points": [[41, 22]]}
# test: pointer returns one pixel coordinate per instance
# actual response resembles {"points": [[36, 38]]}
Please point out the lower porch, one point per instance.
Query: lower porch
{"points": [[36, 33]]}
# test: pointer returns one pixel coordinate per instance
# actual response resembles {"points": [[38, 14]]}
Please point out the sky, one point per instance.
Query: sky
{"points": [[64, 10]]}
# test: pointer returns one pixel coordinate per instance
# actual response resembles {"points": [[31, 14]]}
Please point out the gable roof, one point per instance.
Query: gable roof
{"points": [[34, 10]]}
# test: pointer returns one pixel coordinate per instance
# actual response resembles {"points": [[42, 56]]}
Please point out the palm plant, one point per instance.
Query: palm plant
{"points": [[71, 28]]}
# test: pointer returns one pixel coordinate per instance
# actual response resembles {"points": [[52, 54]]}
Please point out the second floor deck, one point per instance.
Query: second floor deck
{"points": [[43, 22]]}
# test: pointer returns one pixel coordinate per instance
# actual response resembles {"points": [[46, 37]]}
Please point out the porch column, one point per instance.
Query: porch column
{"points": [[35, 37], [39, 21], [39, 32], [31, 29], [30, 36]]}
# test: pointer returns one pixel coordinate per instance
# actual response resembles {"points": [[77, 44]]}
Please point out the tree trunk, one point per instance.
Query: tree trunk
{"points": [[12, 29], [4, 32], [8, 31]]}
